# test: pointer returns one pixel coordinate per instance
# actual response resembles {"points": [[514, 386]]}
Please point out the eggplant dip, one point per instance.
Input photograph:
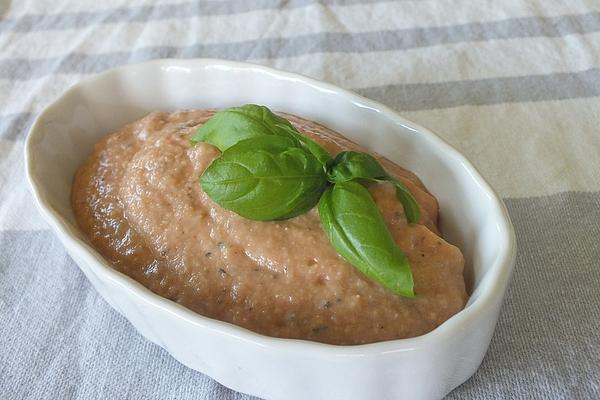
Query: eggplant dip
{"points": [[292, 231]]}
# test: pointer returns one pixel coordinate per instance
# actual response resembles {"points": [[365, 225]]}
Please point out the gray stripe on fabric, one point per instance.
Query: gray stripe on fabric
{"points": [[158, 12], [429, 96], [15, 126], [272, 48], [547, 340]]}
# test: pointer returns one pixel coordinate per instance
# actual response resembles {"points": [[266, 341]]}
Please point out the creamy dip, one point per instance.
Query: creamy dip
{"points": [[138, 200]]}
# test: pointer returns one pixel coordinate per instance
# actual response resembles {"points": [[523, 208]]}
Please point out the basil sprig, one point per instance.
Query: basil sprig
{"points": [[269, 171]]}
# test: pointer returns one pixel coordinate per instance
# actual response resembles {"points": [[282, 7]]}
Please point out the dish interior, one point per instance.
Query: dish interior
{"points": [[66, 133]]}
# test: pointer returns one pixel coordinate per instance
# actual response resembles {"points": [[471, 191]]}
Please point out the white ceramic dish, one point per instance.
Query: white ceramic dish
{"points": [[425, 367]]}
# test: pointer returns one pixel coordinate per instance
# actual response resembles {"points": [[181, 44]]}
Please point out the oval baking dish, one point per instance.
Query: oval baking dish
{"points": [[472, 216]]}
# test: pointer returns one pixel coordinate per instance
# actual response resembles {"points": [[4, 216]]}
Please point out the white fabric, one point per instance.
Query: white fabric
{"points": [[514, 85]]}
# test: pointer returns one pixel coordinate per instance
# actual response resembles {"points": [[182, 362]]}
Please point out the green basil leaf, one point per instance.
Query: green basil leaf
{"points": [[351, 165], [227, 127], [265, 178], [358, 233]]}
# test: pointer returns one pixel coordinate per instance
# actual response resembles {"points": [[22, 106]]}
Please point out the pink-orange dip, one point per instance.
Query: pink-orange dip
{"points": [[138, 200]]}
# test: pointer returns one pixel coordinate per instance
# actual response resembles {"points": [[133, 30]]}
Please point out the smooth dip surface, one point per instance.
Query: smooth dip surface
{"points": [[138, 200]]}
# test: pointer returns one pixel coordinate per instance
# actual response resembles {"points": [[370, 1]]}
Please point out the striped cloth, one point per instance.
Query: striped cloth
{"points": [[514, 85]]}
